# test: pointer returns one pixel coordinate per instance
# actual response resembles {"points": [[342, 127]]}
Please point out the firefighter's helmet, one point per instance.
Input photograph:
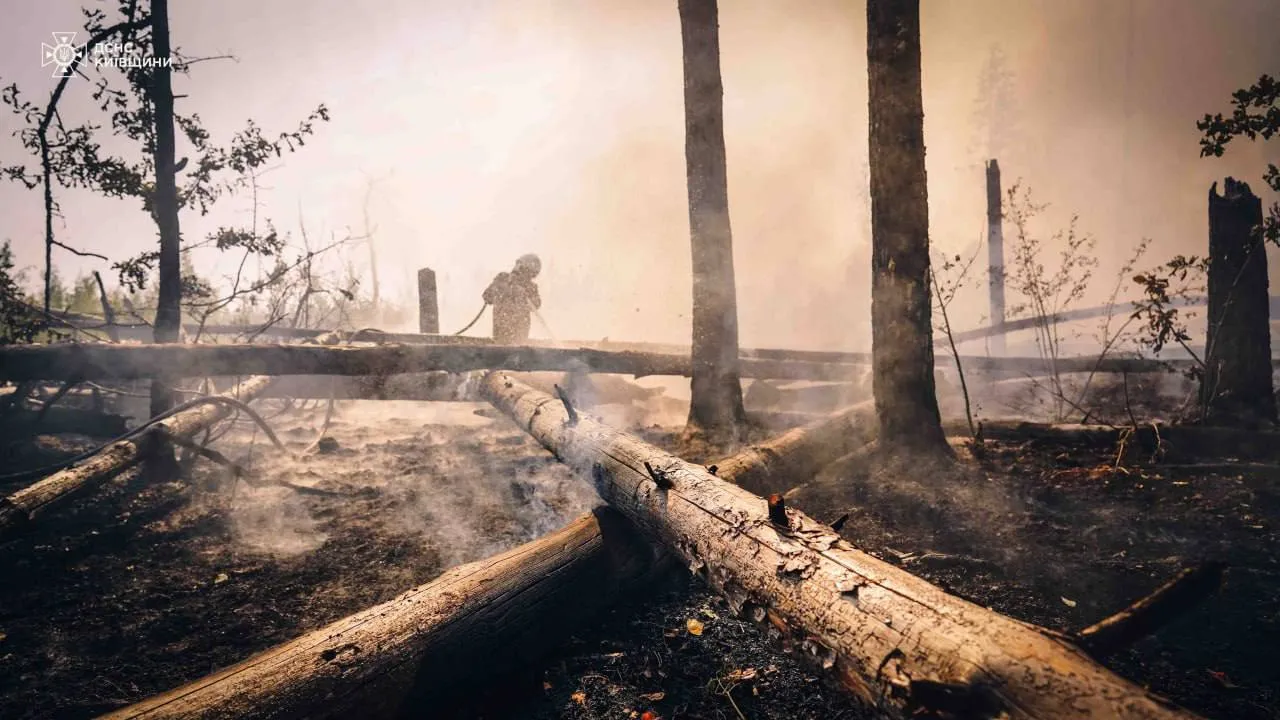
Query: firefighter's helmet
{"points": [[529, 264]]}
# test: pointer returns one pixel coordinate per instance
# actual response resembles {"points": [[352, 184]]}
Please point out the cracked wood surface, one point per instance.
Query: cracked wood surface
{"points": [[432, 644], [898, 641]]}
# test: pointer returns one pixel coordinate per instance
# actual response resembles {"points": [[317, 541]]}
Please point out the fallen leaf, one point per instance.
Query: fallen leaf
{"points": [[1068, 602], [694, 626], [579, 697], [648, 716], [653, 696], [710, 613], [221, 578]]}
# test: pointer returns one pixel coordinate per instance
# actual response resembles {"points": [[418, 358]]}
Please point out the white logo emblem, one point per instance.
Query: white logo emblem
{"points": [[61, 54]]}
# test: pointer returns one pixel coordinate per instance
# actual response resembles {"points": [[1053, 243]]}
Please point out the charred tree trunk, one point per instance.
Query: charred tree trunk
{"points": [[1237, 385], [995, 254], [434, 645], [716, 405], [900, 643], [428, 306], [168, 325], [901, 323]]}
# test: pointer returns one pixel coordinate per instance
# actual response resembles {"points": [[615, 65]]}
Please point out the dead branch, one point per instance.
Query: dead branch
{"points": [[1171, 600]]}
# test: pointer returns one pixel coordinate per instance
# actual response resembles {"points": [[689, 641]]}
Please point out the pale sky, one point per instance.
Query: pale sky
{"points": [[498, 127]]}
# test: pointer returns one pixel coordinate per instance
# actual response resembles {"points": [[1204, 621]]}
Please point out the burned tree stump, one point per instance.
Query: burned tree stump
{"points": [[899, 642], [1237, 385]]}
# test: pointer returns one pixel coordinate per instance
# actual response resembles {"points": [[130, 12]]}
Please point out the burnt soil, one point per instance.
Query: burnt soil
{"points": [[153, 581]]}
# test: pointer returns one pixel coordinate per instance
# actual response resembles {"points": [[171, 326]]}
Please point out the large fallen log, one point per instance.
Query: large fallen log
{"points": [[108, 361], [1032, 365], [899, 642], [450, 638], [22, 507]]}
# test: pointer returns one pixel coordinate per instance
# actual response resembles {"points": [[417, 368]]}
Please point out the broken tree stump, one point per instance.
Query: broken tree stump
{"points": [[1237, 388], [20, 509], [899, 642], [428, 306], [450, 638]]}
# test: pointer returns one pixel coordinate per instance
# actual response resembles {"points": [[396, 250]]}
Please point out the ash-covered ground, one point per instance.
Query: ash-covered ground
{"points": [[154, 581]]}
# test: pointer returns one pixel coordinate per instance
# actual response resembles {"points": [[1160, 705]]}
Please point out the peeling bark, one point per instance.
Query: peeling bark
{"points": [[899, 642]]}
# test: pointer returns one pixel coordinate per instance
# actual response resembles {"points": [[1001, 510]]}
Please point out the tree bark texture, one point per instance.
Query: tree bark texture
{"points": [[899, 642], [901, 324], [716, 404]]}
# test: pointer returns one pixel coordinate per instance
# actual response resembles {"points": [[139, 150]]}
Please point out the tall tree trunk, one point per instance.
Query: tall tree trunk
{"points": [[1237, 386], [901, 323], [716, 405], [165, 201]]}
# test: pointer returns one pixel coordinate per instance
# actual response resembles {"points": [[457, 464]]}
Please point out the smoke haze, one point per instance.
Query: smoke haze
{"points": [[502, 127]]}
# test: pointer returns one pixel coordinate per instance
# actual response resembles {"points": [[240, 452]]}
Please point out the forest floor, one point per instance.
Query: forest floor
{"points": [[151, 582]]}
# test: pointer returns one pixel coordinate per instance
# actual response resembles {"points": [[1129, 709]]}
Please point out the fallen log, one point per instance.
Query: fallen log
{"points": [[825, 357], [108, 361], [899, 642], [778, 464], [20, 509], [433, 644]]}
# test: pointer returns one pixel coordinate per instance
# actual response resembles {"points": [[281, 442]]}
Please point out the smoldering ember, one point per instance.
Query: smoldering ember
{"points": [[635, 360]]}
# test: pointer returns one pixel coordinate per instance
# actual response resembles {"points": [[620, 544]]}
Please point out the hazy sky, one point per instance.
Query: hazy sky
{"points": [[499, 127]]}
